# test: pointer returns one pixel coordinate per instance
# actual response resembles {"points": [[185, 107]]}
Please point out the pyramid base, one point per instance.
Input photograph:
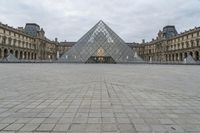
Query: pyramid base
{"points": [[101, 60]]}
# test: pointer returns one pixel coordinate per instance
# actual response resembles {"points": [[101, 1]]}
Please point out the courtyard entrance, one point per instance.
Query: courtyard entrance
{"points": [[101, 59]]}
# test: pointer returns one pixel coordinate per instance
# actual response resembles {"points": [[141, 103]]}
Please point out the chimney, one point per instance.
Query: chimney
{"points": [[56, 39]]}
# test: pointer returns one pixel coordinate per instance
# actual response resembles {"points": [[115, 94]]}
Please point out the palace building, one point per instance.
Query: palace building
{"points": [[27, 43], [171, 46], [100, 45]]}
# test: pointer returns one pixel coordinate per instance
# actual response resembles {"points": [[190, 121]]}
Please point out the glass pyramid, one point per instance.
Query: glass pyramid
{"points": [[98, 44]]}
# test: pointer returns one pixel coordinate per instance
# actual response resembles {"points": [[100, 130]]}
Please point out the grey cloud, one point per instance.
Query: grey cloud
{"points": [[133, 20]]}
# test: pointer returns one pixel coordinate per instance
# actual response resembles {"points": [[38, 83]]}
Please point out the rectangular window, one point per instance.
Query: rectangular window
{"points": [[192, 43], [182, 45], [15, 42], [3, 40], [19, 43]]}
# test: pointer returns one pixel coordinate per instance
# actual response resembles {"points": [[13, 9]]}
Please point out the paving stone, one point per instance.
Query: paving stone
{"points": [[110, 128], [23, 120], [13, 127], [61, 127], [102, 98], [137, 121], [65, 120], [94, 128], [123, 120], [158, 128], [51, 120], [126, 128], [94, 120], [29, 127], [78, 127], [2, 126], [8, 120], [36, 120], [108, 120], [46, 127], [80, 120], [7, 131], [142, 127], [166, 121]]}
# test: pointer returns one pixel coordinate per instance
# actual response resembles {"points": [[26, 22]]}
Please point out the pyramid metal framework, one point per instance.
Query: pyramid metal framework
{"points": [[10, 58], [100, 40]]}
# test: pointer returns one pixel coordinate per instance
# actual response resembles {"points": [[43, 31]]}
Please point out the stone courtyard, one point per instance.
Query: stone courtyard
{"points": [[95, 98]]}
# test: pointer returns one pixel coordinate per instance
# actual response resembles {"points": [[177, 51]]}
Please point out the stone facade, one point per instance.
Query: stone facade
{"points": [[30, 43], [171, 48], [168, 47], [25, 46], [64, 47]]}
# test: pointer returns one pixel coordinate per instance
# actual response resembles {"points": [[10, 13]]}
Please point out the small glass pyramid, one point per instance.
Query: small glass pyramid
{"points": [[100, 45]]}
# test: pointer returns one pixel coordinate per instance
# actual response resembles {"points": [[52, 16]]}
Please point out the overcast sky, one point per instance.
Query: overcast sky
{"points": [[132, 20]]}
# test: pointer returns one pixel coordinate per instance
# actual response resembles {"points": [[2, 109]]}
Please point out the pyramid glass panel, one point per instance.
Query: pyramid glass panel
{"points": [[100, 45]]}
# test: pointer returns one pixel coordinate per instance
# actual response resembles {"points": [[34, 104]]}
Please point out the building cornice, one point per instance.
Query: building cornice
{"points": [[15, 30]]}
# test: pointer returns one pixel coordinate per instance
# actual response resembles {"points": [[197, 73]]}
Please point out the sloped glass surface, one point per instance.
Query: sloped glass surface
{"points": [[100, 38]]}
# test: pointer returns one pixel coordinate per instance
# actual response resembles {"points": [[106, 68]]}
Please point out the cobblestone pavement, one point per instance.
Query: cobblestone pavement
{"points": [[80, 98]]}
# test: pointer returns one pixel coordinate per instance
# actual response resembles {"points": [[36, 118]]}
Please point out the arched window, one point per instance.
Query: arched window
{"points": [[11, 51], [21, 55], [197, 55], [181, 57], [0, 53], [191, 54], [16, 54], [5, 53], [25, 57], [32, 56], [170, 57], [177, 57], [185, 55], [28, 55], [35, 56]]}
